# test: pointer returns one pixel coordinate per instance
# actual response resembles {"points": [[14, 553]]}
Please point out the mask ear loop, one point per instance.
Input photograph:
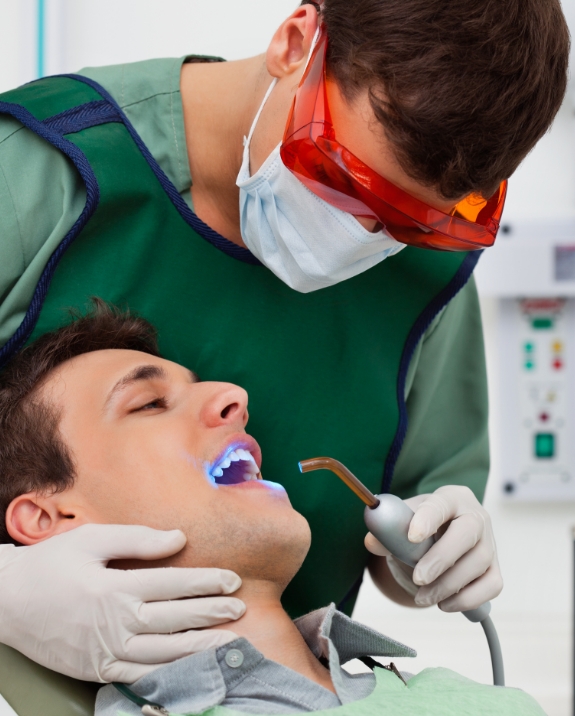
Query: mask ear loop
{"points": [[248, 139]]}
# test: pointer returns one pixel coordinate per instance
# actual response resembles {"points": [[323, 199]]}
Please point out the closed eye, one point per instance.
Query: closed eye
{"points": [[156, 404]]}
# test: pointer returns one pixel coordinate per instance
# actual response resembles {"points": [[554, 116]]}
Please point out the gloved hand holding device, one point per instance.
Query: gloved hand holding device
{"points": [[62, 607], [461, 570], [449, 525]]}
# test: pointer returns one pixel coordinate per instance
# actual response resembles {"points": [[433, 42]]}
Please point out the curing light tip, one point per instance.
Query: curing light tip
{"points": [[328, 463]]}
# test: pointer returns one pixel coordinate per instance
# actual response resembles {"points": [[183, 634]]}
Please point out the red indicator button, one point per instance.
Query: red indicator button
{"points": [[544, 417], [558, 364]]}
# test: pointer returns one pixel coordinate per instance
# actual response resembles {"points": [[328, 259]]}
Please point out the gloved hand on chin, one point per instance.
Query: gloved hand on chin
{"points": [[62, 607], [461, 570]]}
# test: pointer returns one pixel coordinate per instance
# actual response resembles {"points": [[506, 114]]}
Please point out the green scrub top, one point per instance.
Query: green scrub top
{"points": [[41, 196], [446, 378]]}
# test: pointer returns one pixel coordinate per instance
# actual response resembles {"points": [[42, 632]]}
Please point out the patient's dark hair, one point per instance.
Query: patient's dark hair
{"points": [[32, 453], [463, 88]]}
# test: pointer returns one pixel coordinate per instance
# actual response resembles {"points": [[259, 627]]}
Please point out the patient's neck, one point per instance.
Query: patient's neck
{"points": [[269, 628]]}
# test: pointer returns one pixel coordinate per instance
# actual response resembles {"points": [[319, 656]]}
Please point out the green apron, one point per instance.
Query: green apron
{"points": [[325, 371], [433, 692]]}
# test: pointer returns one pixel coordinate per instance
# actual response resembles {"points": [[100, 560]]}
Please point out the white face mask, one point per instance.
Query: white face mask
{"points": [[306, 242]]}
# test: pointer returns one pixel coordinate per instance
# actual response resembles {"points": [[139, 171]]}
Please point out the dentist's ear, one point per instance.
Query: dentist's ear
{"points": [[33, 517], [286, 57], [291, 43]]}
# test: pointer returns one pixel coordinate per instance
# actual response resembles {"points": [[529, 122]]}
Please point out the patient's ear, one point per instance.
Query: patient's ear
{"points": [[34, 517]]}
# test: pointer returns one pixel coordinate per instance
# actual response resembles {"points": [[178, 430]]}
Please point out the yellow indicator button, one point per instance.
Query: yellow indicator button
{"points": [[557, 347]]}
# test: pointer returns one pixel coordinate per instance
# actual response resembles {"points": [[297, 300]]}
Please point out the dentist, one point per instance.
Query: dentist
{"points": [[304, 224]]}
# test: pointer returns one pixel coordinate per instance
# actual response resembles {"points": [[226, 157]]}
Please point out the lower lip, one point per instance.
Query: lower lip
{"points": [[255, 485]]}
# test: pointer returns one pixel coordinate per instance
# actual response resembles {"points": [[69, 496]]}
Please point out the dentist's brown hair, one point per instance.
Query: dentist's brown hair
{"points": [[464, 89]]}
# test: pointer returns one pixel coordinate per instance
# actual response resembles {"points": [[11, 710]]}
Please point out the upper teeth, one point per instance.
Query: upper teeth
{"points": [[251, 469]]}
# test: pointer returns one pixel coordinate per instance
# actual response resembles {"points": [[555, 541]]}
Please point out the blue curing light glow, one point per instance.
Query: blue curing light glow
{"points": [[41, 45], [221, 458], [300, 467], [274, 485]]}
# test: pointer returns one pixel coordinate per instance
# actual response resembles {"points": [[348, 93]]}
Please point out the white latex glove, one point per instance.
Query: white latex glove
{"points": [[61, 606], [461, 570]]}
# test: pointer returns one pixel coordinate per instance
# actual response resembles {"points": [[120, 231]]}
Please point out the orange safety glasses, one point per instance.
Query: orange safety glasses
{"points": [[311, 151]]}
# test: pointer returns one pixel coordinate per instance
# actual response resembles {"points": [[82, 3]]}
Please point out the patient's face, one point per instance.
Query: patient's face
{"points": [[154, 446]]}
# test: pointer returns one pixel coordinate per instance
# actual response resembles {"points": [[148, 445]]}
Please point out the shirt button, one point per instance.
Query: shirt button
{"points": [[234, 658]]}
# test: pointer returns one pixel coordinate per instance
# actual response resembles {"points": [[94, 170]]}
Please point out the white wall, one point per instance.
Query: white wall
{"points": [[98, 32], [17, 42], [533, 613]]}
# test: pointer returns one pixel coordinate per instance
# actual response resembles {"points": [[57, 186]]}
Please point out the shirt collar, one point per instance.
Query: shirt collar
{"points": [[329, 633], [337, 638], [201, 681]]}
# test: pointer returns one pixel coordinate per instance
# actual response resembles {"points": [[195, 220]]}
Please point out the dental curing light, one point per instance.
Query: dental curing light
{"points": [[388, 518]]}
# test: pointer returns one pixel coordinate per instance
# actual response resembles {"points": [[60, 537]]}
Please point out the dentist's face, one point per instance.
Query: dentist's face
{"points": [[354, 119], [154, 446]]}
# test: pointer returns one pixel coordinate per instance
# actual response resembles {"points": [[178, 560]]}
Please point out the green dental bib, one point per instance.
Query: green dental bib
{"points": [[433, 692], [325, 371]]}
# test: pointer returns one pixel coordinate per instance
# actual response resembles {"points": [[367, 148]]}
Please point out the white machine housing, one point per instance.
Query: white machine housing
{"points": [[531, 270]]}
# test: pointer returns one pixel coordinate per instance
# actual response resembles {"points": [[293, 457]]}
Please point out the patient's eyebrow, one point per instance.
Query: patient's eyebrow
{"points": [[143, 373]]}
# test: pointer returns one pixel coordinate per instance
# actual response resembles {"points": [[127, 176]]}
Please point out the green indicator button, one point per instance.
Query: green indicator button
{"points": [[529, 364], [545, 445], [529, 348], [540, 324]]}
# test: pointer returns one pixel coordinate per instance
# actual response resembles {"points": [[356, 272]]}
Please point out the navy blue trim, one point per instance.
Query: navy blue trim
{"points": [[351, 593], [419, 327], [85, 116], [205, 231], [92, 199]]}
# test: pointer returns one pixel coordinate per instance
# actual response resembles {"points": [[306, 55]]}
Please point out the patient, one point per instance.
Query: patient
{"points": [[95, 427]]}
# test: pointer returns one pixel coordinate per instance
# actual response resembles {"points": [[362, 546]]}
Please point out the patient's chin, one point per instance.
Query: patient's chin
{"points": [[266, 548], [278, 562]]}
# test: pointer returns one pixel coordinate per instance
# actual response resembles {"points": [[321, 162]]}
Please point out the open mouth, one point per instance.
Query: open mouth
{"points": [[234, 467]]}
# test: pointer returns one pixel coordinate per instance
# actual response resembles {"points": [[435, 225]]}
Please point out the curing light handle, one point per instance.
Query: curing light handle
{"points": [[389, 523], [388, 517]]}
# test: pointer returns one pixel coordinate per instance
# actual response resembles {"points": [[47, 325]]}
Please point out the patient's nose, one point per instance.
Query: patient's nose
{"points": [[227, 406]]}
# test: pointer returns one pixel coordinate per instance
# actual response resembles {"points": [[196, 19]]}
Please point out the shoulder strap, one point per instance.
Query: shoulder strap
{"points": [[423, 322], [55, 108]]}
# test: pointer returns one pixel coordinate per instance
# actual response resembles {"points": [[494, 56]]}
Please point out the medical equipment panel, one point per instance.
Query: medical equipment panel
{"points": [[537, 398]]}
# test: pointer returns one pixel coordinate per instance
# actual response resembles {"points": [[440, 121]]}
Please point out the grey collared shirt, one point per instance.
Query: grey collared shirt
{"points": [[238, 676]]}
